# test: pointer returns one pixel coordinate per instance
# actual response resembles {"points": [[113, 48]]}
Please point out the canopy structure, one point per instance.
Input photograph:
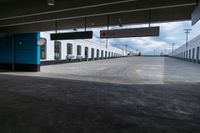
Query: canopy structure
{"points": [[22, 16]]}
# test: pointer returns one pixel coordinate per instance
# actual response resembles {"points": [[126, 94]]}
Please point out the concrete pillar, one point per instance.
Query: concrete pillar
{"points": [[20, 52]]}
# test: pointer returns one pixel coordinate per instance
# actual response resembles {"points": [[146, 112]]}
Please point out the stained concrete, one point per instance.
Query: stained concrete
{"points": [[132, 70], [47, 105]]}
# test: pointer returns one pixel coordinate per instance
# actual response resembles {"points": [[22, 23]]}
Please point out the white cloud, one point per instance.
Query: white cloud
{"points": [[169, 33], [145, 45]]}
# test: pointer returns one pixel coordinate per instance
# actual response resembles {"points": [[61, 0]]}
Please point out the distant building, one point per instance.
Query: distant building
{"points": [[190, 51], [76, 49]]}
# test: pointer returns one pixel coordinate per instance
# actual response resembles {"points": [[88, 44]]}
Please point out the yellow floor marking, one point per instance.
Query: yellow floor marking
{"points": [[101, 68], [138, 71]]}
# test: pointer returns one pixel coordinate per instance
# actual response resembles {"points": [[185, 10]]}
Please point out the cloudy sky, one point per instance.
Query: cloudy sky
{"points": [[169, 33]]}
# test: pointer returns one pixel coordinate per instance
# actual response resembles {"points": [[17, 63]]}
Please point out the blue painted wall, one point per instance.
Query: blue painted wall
{"points": [[6, 50], [26, 49]]}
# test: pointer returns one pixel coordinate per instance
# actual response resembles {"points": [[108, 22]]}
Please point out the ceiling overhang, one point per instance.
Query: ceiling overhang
{"points": [[20, 16]]}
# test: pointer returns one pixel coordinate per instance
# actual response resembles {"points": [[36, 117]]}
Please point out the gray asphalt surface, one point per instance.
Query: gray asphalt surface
{"points": [[35, 104]]}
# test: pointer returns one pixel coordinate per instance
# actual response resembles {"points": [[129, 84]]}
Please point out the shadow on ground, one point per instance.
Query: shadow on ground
{"points": [[47, 105]]}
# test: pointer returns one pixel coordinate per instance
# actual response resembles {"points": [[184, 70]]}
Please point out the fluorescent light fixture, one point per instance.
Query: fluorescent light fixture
{"points": [[133, 32], [51, 2]]}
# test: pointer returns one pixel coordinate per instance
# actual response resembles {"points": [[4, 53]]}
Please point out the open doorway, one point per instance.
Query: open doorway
{"points": [[197, 56], [86, 53], [101, 54], [92, 53], [97, 54]]}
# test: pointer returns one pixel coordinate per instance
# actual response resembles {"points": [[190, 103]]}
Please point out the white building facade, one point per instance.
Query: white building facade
{"points": [[76, 50], [189, 51]]}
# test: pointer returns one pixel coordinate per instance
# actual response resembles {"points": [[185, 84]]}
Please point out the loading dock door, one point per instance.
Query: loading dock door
{"points": [[184, 55], [193, 54], [86, 53], [197, 59], [97, 54], [101, 54], [190, 55], [92, 54], [69, 49], [79, 50], [187, 55]]}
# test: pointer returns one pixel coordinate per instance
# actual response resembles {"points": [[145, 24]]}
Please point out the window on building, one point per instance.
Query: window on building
{"points": [[43, 50], [57, 50]]}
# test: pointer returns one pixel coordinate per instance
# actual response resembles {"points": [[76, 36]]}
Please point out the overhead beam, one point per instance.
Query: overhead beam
{"points": [[61, 6], [126, 7], [196, 15], [140, 17], [27, 8], [24, 8]]}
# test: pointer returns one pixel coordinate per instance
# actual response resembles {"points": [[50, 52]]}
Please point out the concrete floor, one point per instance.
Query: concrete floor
{"points": [[132, 70], [30, 103]]}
